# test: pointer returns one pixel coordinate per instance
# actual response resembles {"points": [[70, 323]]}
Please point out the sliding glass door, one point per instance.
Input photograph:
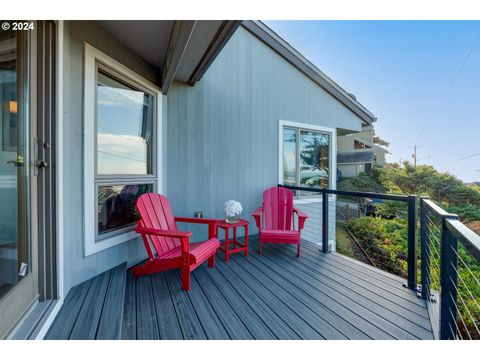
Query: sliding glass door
{"points": [[18, 278]]}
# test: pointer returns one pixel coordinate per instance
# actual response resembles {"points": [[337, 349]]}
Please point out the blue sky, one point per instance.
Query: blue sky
{"points": [[420, 78]]}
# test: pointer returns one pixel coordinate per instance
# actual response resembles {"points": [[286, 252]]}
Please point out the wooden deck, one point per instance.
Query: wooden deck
{"points": [[274, 296]]}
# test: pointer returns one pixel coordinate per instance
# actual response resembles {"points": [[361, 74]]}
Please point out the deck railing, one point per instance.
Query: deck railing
{"points": [[446, 259], [450, 269]]}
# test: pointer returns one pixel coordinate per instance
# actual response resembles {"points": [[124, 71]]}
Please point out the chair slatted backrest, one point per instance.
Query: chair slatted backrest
{"points": [[278, 208], [156, 213]]}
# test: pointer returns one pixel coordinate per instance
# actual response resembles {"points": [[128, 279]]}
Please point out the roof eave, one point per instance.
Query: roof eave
{"points": [[280, 46]]}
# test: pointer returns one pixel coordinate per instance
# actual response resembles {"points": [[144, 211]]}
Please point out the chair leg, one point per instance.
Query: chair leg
{"points": [[211, 261], [185, 278], [260, 247], [298, 250]]}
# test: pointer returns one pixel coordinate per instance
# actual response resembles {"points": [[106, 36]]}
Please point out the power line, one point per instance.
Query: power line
{"points": [[419, 134], [454, 79], [123, 156], [462, 158], [459, 70]]}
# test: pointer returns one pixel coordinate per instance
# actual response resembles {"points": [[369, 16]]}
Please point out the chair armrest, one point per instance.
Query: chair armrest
{"points": [[166, 233], [257, 215], [301, 218], [184, 237], [196, 220], [212, 224]]}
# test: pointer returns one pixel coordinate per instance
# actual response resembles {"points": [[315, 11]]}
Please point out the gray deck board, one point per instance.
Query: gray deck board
{"points": [[302, 327], [214, 329], [318, 263], [380, 317], [395, 292], [274, 296], [167, 322], [320, 305], [275, 322], [85, 327], [146, 313], [110, 323], [187, 317], [294, 301], [227, 315], [353, 314], [253, 322], [63, 324], [346, 286], [129, 323]]}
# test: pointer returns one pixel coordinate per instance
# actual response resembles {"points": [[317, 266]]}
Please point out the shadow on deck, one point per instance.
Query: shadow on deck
{"points": [[274, 296]]}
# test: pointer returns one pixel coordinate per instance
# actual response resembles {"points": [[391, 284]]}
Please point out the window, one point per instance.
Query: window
{"points": [[121, 148], [124, 131], [116, 205], [124, 128], [368, 169], [361, 145], [306, 155]]}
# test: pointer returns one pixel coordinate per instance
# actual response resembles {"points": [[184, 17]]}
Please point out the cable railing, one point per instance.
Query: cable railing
{"points": [[344, 214], [450, 273], [445, 262], [377, 229]]}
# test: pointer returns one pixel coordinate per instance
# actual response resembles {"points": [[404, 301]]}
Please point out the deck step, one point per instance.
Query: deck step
{"points": [[93, 309]]}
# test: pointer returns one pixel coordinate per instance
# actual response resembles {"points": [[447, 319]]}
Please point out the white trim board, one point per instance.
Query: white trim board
{"points": [[92, 57], [306, 126], [59, 171]]}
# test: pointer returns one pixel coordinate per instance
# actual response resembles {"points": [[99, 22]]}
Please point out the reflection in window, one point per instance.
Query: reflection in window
{"points": [[314, 159], [116, 205], [306, 158], [289, 156], [124, 128]]}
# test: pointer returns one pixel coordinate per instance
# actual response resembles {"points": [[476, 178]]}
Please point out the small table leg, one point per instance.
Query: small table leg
{"points": [[226, 245], [234, 237]]}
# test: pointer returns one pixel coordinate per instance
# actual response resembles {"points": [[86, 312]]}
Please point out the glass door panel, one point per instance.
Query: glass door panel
{"points": [[15, 251]]}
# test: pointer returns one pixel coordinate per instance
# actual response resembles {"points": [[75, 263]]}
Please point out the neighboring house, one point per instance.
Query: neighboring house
{"points": [[202, 111], [359, 152]]}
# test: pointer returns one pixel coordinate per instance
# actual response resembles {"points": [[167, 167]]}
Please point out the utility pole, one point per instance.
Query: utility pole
{"points": [[414, 156]]}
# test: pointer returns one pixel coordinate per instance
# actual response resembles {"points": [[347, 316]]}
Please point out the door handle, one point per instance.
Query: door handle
{"points": [[17, 163], [39, 164], [42, 164]]}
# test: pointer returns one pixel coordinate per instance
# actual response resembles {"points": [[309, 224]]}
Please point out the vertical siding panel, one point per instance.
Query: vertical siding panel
{"points": [[225, 129]]}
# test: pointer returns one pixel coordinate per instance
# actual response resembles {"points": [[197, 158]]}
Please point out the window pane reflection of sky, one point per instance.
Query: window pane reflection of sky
{"points": [[124, 120], [289, 155]]}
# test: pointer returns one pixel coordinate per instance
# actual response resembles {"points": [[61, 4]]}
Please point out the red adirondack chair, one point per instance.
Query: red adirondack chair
{"points": [[167, 247], [275, 218]]}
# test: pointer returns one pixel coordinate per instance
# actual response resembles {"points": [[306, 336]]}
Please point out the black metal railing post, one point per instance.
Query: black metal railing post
{"points": [[324, 221], [412, 242], [424, 249], [448, 281]]}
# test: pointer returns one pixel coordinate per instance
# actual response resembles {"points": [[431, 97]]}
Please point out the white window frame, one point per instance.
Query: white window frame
{"points": [[93, 57], [333, 151]]}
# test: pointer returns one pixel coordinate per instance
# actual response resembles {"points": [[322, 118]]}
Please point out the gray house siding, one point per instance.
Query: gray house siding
{"points": [[222, 135], [79, 268]]}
